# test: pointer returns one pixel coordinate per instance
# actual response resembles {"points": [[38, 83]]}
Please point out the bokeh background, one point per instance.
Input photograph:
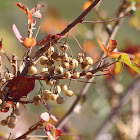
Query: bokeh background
{"points": [[96, 104]]}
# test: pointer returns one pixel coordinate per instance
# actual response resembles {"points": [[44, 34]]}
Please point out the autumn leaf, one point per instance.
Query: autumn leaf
{"points": [[36, 11], [125, 59], [1, 43], [86, 4], [25, 9], [29, 42], [118, 67], [20, 86], [103, 47], [114, 55], [112, 45]]}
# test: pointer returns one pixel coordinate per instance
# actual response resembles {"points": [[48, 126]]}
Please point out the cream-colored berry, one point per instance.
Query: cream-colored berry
{"points": [[16, 112], [60, 100], [89, 61], [50, 51], [89, 75], [57, 89], [32, 70], [37, 97], [56, 81], [76, 75], [49, 82], [55, 56], [59, 69], [12, 119], [3, 122], [64, 47], [36, 103], [43, 60], [67, 75], [54, 96], [50, 62], [11, 125], [64, 87], [47, 93], [63, 56], [43, 70], [84, 66], [69, 92], [65, 64], [75, 63]]}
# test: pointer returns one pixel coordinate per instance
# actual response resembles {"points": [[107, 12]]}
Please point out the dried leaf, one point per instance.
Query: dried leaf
{"points": [[25, 9], [47, 39], [36, 11], [103, 47], [112, 45], [17, 34]]}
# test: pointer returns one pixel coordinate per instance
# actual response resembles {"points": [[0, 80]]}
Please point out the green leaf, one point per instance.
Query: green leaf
{"points": [[118, 67], [125, 59]]}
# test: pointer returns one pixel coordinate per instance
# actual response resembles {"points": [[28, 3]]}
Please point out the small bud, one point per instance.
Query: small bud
{"points": [[64, 47], [50, 62], [54, 96], [60, 100], [69, 92], [88, 61], [43, 60], [37, 97], [57, 89], [3, 122], [11, 125], [64, 87], [67, 75], [89, 75], [84, 66], [50, 51], [49, 82], [65, 65], [32, 70], [16, 112], [9, 76], [43, 70], [59, 69], [29, 42], [76, 75], [55, 56], [47, 93]]}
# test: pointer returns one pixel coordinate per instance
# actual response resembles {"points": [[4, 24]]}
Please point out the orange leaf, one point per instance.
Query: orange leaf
{"points": [[118, 67], [114, 55], [29, 42], [112, 45], [103, 47], [25, 9], [86, 4]]}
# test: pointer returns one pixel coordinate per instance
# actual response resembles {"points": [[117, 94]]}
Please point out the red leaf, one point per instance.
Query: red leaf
{"points": [[114, 54], [103, 47], [58, 133], [17, 34], [36, 11], [112, 45], [20, 86], [45, 116]]}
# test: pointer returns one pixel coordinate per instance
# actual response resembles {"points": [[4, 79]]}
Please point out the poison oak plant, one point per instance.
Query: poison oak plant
{"points": [[58, 65]]}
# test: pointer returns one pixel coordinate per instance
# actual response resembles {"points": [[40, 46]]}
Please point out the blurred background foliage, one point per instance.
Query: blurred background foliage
{"points": [[96, 104]]}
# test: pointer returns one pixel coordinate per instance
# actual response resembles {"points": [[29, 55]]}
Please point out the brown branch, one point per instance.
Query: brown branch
{"points": [[31, 129], [132, 91], [67, 29]]}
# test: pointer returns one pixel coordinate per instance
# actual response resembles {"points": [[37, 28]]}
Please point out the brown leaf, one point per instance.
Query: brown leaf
{"points": [[36, 11]]}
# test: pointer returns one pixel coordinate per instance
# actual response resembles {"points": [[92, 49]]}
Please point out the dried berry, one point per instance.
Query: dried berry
{"points": [[60, 100]]}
